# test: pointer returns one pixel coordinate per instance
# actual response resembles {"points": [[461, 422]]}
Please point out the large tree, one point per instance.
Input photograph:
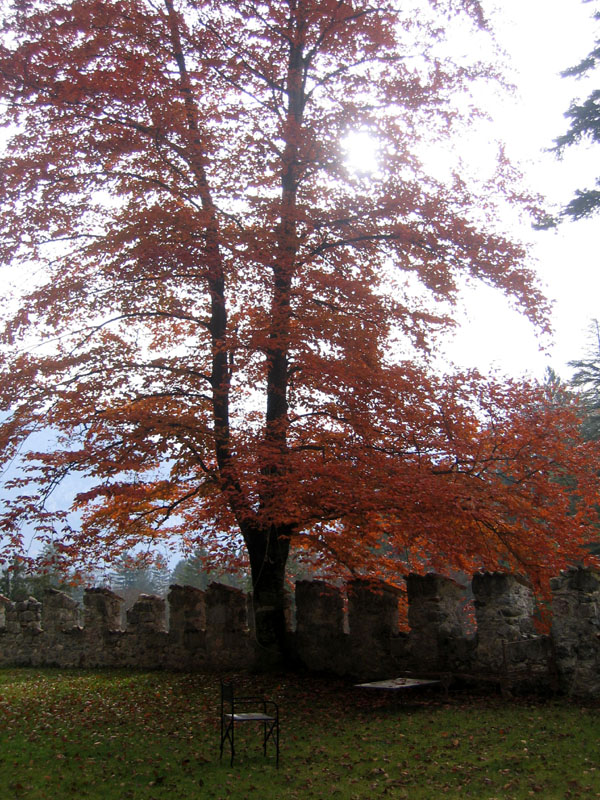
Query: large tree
{"points": [[229, 329]]}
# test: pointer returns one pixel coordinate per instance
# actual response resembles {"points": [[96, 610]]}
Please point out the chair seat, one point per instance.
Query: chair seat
{"points": [[250, 717]]}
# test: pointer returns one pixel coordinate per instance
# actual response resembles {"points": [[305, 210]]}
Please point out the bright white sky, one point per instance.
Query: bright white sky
{"points": [[542, 37]]}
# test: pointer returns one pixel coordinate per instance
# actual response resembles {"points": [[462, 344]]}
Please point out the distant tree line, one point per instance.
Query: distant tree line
{"points": [[130, 576]]}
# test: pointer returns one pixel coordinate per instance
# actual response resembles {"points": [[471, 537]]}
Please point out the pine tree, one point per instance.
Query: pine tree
{"points": [[586, 380], [584, 117], [197, 570], [133, 575]]}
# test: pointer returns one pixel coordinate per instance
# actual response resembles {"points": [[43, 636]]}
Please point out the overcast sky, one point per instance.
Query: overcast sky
{"points": [[542, 37]]}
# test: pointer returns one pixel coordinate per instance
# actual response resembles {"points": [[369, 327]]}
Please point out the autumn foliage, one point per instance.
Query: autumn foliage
{"points": [[229, 330]]}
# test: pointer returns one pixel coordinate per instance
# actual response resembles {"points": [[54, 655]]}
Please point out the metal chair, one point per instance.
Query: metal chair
{"points": [[231, 716]]}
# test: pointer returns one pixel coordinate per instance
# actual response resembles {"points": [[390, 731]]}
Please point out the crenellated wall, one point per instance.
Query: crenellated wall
{"points": [[349, 631]]}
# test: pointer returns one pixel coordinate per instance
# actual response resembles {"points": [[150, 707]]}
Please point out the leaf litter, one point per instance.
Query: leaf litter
{"points": [[119, 735]]}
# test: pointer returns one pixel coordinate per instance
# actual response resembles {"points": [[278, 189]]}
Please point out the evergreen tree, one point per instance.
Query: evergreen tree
{"points": [[190, 572], [18, 580], [584, 116], [196, 570], [587, 380], [13, 581], [138, 574]]}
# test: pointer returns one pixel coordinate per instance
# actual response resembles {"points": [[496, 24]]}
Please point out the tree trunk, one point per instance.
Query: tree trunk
{"points": [[268, 551]]}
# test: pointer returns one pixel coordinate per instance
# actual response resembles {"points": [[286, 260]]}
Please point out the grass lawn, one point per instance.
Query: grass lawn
{"points": [[115, 735]]}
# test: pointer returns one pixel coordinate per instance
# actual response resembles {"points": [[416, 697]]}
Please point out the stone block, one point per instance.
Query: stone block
{"points": [[576, 631], [187, 610], [148, 614], [59, 611], [226, 608], [373, 623], [102, 610], [320, 624], [438, 624], [228, 641], [504, 608], [28, 615]]}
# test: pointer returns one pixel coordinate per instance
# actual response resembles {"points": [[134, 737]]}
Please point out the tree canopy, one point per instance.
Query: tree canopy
{"points": [[228, 329]]}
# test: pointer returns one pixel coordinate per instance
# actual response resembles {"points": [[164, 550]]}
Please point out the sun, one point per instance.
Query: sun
{"points": [[361, 152]]}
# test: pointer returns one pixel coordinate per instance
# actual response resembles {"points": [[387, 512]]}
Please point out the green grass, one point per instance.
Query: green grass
{"points": [[117, 735]]}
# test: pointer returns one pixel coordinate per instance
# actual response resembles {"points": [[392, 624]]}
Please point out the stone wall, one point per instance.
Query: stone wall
{"points": [[504, 608], [351, 631], [576, 631], [439, 637]]}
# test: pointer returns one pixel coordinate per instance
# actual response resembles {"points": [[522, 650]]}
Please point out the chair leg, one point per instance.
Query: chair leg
{"points": [[270, 731], [227, 734], [231, 742]]}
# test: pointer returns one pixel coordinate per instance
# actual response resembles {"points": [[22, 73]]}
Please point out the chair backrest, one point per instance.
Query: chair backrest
{"points": [[226, 693]]}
